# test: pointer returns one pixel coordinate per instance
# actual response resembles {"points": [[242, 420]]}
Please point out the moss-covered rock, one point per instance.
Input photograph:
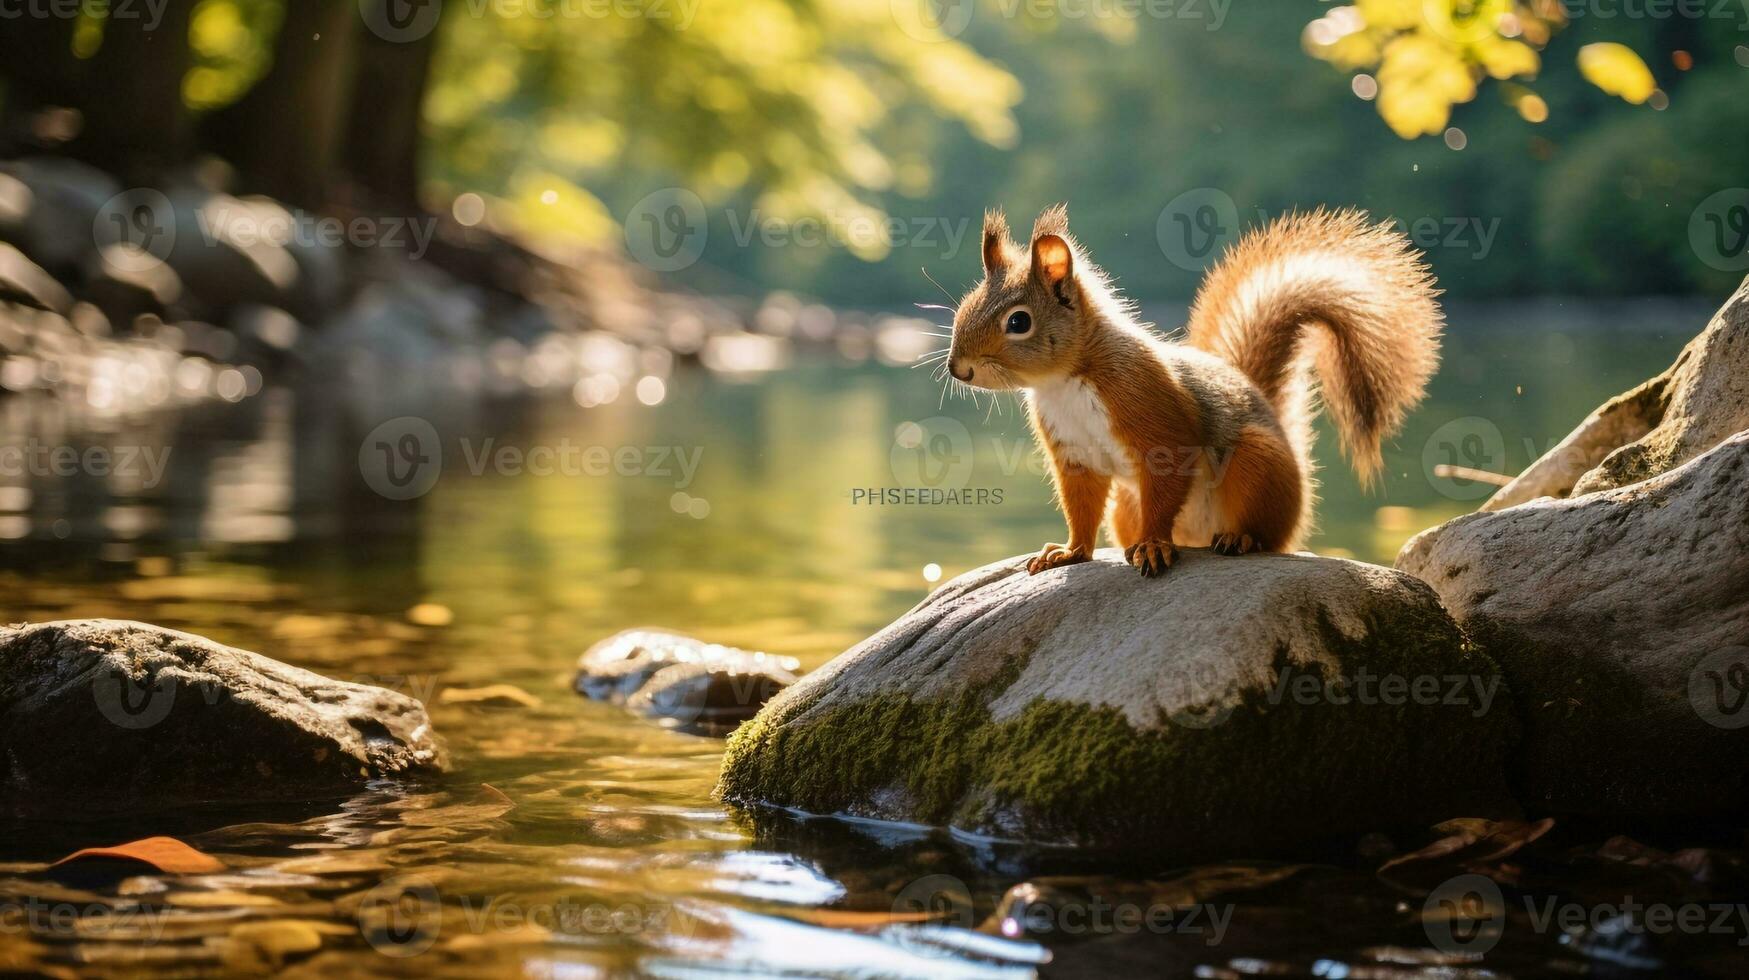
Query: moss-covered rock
{"points": [[114, 714], [1621, 619], [1233, 705]]}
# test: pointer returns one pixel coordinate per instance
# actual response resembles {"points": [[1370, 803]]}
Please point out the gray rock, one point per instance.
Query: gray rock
{"points": [[230, 251], [126, 281], [700, 687], [49, 207], [1702, 399], [1621, 619], [707, 699], [114, 713], [23, 281], [1234, 704]]}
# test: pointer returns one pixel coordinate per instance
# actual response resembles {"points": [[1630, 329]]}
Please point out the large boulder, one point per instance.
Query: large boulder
{"points": [[1621, 619], [113, 713], [1698, 401], [1239, 705]]}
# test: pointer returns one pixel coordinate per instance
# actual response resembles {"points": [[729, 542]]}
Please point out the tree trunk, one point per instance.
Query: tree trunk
{"points": [[382, 146], [284, 135], [36, 59], [135, 119]]}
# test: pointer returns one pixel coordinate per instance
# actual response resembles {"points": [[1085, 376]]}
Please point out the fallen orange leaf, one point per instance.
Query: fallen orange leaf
{"points": [[851, 919], [167, 854]]}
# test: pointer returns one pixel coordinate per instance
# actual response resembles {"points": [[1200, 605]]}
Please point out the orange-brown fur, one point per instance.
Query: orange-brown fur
{"points": [[1206, 443]]}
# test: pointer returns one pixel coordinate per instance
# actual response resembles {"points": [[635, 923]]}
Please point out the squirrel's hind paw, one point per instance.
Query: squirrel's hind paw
{"points": [[1236, 544]]}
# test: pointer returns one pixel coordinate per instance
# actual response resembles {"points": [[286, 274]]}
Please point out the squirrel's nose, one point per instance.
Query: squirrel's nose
{"points": [[953, 368]]}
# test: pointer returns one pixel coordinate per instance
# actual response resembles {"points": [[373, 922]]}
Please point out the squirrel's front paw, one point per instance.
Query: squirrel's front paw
{"points": [[1152, 555], [1054, 556]]}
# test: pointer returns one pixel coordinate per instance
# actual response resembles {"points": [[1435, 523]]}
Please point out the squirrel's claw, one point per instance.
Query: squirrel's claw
{"points": [[1054, 556], [1153, 556], [1236, 544]]}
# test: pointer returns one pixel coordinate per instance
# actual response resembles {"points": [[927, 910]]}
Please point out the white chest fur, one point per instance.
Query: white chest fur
{"points": [[1075, 419]]}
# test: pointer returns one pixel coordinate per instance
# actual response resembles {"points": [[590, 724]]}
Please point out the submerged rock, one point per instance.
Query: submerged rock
{"points": [[696, 686], [1621, 619], [113, 713], [1237, 705]]}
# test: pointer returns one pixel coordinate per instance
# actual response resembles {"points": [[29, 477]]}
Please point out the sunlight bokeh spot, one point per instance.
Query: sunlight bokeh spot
{"points": [[469, 209]]}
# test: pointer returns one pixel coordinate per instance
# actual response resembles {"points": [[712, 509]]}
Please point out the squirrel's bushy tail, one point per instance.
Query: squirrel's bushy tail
{"points": [[1365, 285]]}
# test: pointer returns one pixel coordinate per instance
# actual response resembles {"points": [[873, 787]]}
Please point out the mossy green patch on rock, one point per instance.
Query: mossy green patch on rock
{"points": [[1245, 737]]}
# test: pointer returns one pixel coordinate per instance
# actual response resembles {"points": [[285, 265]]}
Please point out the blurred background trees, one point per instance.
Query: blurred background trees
{"points": [[1584, 140]]}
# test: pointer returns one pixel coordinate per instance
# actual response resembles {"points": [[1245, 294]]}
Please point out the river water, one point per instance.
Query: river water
{"points": [[738, 505]]}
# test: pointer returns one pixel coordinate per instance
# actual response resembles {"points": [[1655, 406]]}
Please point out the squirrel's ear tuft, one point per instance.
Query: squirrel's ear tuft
{"points": [[1053, 220], [1052, 263], [995, 241]]}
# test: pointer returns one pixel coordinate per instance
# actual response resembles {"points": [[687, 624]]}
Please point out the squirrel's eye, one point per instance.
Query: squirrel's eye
{"points": [[1019, 321]]}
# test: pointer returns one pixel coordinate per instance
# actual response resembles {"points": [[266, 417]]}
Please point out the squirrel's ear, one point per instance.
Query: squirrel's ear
{"points": [[995, 241], [1052, 263], [1053, 220]]}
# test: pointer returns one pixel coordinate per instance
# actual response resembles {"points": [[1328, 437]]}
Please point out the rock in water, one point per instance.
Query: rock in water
{"points": [[706, 699], [1700, 400], [1237, 705], [699, 687], [1621, 619], [114, 713]]}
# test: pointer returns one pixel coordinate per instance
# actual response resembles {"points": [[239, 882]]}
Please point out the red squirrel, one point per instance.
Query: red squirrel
{"points": [[1205, 442]]}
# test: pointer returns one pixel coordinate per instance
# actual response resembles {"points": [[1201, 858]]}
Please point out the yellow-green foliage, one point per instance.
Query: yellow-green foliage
{"points": [[797, 98], [1429, 55]]}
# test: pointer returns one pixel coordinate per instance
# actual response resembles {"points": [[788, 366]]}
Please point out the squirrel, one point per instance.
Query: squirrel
{"points": [[1204, 442]]}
